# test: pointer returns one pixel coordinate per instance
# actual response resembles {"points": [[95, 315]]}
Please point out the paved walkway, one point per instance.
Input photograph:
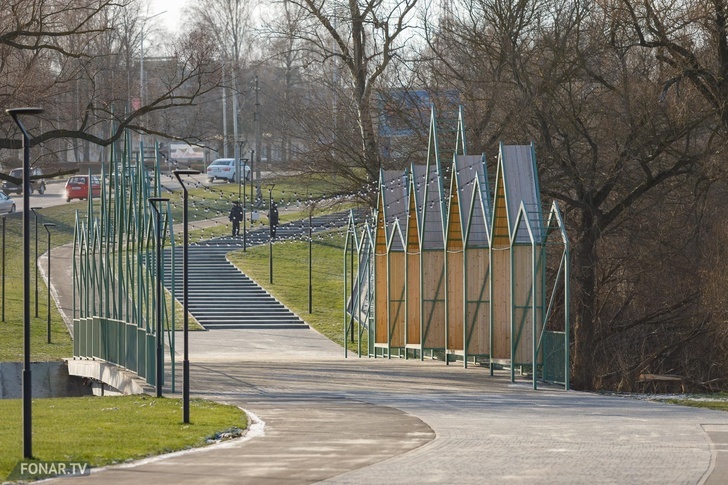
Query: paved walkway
{"points": [[366, 421]]}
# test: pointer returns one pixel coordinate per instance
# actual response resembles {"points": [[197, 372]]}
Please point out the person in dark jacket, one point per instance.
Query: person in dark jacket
{"points": [[236, 215], [273, 220]]}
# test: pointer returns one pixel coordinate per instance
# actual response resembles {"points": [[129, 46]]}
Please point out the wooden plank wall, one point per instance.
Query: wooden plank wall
{"points": [[522, 289], [413, 296], [477, 301], [523, 301], [412, 270], [455, 299], [433, 299], [396, 298], [501, 281], [455, 274]]}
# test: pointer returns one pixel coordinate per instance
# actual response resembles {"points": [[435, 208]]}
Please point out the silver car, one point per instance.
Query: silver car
{"points": [[224, 168], [7, 205]]}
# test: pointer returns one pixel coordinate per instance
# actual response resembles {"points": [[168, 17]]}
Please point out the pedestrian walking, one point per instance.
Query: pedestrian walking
{"points": [[236, 215]]}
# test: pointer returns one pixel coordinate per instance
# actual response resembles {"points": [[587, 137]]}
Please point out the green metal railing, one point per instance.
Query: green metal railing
{"points": [[114, 269]]}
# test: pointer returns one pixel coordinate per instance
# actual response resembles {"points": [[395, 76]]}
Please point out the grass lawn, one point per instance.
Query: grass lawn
{"points": [[11, 330], [107, 430], [290, 280]]}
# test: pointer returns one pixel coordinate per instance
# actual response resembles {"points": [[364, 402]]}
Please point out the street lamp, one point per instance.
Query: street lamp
{"points": [[185, 295], [310, 260], [160, 340], [3, 289], [241, 172], [27, 394], [48, 225], [270, 239], [35, 218], [141, 78]]}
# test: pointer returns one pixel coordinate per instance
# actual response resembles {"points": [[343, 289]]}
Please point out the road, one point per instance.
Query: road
{"points": [[53, 196]]}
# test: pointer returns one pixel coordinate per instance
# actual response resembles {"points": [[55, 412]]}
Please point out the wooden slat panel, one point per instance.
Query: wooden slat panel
{"points": [[396, 298], [523, 312], [413, 298], [455, 300], [477, 291], [433, 296], [501, 281]]}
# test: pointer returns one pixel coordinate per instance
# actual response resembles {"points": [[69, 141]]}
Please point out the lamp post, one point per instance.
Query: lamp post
{"points": [[47, 226], [141, 77], [245, 224], [185, 318], [35, 219], [310, 261], [241, 172], [27, 394], [3, 289], [270, 238], [160, 355]]}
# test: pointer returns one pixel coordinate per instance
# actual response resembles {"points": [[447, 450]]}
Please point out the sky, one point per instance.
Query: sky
{"points": [[172, 11]]}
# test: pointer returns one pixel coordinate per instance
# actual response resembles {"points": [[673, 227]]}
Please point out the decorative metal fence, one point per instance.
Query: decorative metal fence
{"points": [[115, 270]]}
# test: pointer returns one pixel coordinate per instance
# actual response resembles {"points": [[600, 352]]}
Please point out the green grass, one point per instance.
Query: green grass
{"points": [[717, 401], [290, 280], [11, 330], [110, 430]]}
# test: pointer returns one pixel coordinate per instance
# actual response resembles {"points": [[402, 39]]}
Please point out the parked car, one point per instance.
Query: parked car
{"points": [[6, 204], [224, 168], [37, 184], [77, 187]]}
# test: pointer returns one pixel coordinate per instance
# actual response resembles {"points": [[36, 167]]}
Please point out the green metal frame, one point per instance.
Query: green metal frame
{"points": [[115, 263], [549, 348]]}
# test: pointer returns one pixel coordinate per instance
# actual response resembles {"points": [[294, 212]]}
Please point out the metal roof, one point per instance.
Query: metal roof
{"points": [[473, 192], [517, 164], [393, 187], [433, 230]]}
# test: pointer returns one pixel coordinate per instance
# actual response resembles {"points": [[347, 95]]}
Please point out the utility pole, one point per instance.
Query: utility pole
{"points": [[224, 114], [234, 89]]}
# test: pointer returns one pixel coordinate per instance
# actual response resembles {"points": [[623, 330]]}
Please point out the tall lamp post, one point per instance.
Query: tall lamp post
{"points": [[160, 340], [270, 238], [35, 219], [3, 289], [310, 260], [241, 172], [27, 394], [185, 318], [47, 226]]}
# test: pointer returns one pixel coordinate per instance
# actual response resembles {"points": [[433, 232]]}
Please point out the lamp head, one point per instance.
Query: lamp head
{"points": [[23, 111], [186, 171]]}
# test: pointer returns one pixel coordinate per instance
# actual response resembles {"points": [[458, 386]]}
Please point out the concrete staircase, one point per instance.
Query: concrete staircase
{"points": [[221, 296]]}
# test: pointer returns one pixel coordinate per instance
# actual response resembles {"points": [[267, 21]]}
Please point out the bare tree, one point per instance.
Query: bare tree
{"points": [[612, 149], [355, 41], [76, 62], [229, 23]]}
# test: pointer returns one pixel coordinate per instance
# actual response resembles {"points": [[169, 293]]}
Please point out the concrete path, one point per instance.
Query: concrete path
{"points": [[366, 421]]}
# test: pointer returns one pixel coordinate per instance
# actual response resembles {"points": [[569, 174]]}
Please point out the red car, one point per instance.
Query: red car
{"points": [[77, 187]]}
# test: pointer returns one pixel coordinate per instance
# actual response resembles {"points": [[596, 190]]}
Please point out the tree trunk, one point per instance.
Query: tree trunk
{"points": [[584, 280]]}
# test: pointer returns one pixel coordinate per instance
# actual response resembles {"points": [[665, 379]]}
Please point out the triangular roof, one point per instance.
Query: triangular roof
{"points": [[454, 232], [415, 200], [517, 178], [471, 180], [460, 142], [433, 210], [393, 204]]}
